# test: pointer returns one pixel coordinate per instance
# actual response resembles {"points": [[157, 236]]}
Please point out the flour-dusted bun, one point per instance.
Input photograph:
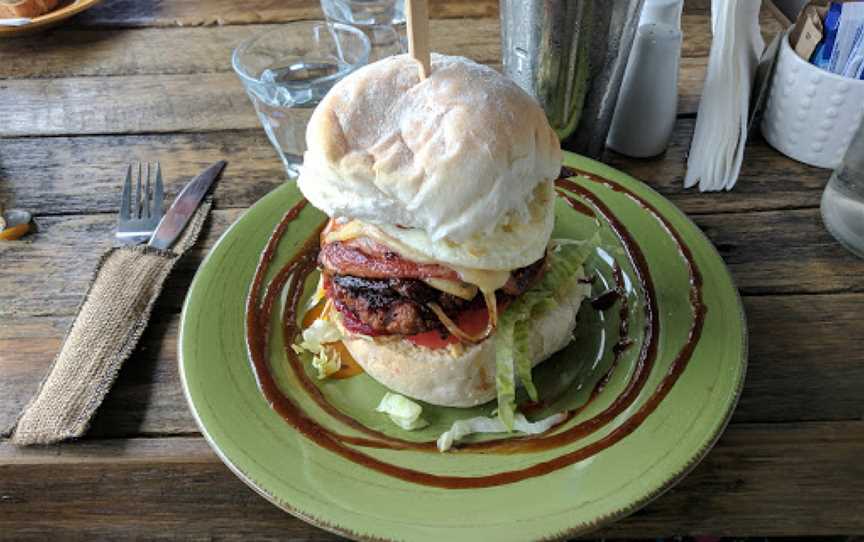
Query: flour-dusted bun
{"points": [[441, 377], [455, 155]]}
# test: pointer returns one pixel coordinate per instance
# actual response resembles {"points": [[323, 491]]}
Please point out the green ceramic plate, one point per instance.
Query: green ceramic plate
{"points": [[649, 397]]}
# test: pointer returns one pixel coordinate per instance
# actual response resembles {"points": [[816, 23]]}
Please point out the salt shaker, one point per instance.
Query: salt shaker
{"points": [[648, 102]]}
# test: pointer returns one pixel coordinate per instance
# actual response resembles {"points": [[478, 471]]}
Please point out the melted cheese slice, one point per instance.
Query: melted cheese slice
{"points": [[453, 287]]}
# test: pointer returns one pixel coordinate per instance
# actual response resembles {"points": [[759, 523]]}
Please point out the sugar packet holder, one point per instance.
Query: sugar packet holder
{"points": [[811, 114]]}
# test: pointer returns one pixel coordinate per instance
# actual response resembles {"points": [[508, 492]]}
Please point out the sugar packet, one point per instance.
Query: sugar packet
{"points": [[850, 30], [824, 51], [807, 34], [855, 63]]}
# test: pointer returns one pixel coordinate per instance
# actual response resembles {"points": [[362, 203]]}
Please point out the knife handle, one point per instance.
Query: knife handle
{"points": [[105, 331]]}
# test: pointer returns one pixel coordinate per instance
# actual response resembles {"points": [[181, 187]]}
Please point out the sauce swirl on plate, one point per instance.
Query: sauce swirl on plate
{"points": [[291, 278]]}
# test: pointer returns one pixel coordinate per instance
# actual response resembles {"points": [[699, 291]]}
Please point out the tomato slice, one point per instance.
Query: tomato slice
{"points": [[432, 339]]}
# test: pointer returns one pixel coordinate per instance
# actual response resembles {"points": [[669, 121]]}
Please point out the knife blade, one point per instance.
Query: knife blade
{"points": [[184, 206]]}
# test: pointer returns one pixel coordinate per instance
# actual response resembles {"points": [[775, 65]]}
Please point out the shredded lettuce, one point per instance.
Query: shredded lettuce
{"points": [[480, 424], [318, 334], [402, 411], [325, 359], [512, 340], [522, 356], [504, 380], [327, 362]]}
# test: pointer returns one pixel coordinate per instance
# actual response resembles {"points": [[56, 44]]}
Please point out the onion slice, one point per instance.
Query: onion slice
{"points": [[491, 306]]}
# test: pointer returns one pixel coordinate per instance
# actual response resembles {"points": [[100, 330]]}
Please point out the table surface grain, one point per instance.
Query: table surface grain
{"points": [[150, 80]]}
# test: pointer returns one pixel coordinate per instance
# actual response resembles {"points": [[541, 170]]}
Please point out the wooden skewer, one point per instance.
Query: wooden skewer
{"points": [[418, 34]]}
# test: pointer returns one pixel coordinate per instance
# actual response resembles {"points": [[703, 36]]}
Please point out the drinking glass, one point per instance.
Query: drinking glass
{"points": [[287, 71], [386, 41], [371, 16], [843, 199], [365, 12]]}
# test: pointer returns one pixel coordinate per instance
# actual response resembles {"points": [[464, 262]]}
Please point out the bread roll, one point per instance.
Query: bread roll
{"points": [[26, 8], [455, 155]]}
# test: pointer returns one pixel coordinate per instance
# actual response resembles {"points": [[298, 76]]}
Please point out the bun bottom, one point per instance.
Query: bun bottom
{"points": [[466, 378]]}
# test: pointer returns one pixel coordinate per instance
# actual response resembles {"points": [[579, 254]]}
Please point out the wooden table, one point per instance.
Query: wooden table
{"points": [[149, 80]]}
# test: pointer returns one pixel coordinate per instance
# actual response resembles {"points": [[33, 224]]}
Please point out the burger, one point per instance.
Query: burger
{"points": [[437, 262]]}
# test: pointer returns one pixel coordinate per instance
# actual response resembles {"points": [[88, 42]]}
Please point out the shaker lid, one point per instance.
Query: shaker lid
{"points": [[662, 11]]}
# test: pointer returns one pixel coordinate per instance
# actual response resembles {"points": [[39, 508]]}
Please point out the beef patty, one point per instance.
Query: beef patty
{"points": [[399, 306]]}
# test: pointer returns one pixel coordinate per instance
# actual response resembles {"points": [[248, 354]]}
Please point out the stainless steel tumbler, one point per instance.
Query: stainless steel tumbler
{"points": [[570, 55]]}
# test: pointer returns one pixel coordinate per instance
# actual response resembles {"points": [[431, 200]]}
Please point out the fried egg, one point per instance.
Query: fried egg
{"points": [[517, 242]]}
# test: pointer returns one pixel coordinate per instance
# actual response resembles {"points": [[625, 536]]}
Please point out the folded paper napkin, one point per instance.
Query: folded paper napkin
{"points": [[109, 323], [718, 142]]}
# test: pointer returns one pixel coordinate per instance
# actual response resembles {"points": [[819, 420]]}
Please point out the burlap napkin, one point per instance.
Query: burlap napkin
{"points": [[109, 323]]}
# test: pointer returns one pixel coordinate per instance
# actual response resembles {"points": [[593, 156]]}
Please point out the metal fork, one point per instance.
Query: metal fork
{"points": [[140, 216]]}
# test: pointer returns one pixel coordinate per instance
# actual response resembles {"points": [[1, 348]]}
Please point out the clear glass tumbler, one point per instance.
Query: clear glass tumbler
{"points": [[374, 17], [287, 71], [386, 41], [843, 199], [365, 12]]}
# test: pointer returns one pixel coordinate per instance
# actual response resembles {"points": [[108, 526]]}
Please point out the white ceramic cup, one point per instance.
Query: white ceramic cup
{"points": [[811, 114]]}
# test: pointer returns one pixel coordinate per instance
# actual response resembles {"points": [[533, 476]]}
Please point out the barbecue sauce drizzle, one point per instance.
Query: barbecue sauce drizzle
{"points": [[293, 274]]}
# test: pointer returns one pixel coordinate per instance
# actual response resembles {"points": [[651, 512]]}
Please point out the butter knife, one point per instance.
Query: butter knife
{"points": [[184, 206]]}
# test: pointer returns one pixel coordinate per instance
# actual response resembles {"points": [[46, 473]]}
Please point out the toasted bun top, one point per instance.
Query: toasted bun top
{"points": [[455, 155]]}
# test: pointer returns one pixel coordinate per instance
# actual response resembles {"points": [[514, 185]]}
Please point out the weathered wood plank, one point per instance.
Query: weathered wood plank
{"points": [[803, 362], [131, 13], [151, 51], [821, 381], [697, 6], [751, 482], [126, 104], [124, 13], [783, 252], [81, 175], [179, 80], [87, 451], [767, 252], [168, 103], [58, 262], [148, 51], [768, 179]]}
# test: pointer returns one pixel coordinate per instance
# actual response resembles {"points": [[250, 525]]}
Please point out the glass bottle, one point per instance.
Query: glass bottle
{"points": [[843, 199]]}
